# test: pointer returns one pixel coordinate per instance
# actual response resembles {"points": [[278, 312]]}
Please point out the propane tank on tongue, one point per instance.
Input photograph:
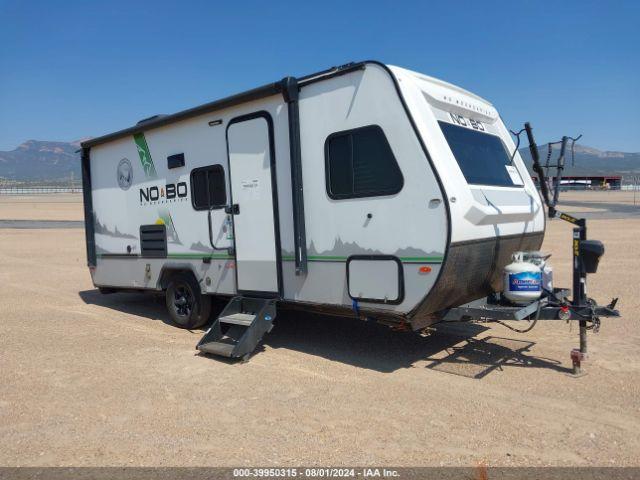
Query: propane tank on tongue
{"points": [[541, 260], [522, 280]]}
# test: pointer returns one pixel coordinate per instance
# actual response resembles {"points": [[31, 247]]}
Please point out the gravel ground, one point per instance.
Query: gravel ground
{"points": [[58, 206], [94, 380]]}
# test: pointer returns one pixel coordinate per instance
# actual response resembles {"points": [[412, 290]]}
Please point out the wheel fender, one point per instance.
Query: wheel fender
{"points": [[169, 270]]}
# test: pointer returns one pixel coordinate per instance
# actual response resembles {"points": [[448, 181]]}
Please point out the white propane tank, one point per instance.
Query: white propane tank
{"points": [[547, 277], [522, 280], [541, 260]]}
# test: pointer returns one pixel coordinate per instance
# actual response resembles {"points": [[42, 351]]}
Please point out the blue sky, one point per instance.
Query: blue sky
{"points": [[76, 69]]}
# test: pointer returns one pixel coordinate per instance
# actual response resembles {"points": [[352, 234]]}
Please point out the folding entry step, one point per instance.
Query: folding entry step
{"points": [[239, 328]]}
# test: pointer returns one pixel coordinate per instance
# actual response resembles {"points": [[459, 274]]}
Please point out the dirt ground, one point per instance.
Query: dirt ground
{"points": [[61, 206], [597, 196], [94, 380]]}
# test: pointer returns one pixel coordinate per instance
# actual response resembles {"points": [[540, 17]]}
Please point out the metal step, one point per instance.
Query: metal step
{"points": [[217, 348], [245, 319], [243, 331]]}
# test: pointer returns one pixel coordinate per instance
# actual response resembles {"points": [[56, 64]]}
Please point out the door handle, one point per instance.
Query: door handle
{"points": [[233, 209]]}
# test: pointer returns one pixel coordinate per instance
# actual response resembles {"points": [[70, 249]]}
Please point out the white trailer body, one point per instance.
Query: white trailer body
{"points": [[365, 188]]}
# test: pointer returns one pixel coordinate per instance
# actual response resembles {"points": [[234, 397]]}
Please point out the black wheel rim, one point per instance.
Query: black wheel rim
{"points": [[183, 301]]}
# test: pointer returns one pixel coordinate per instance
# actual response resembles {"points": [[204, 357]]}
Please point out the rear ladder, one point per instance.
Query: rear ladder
{"points": [[239, 328]]}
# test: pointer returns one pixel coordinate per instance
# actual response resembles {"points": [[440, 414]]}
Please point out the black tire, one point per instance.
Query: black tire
{"points": [[187, 306]]}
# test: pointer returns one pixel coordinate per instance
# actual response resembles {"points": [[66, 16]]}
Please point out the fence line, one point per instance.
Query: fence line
{"points": [[38, 190]]}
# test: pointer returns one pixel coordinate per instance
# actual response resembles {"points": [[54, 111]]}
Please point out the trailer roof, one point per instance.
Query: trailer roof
{"points": [[442, 83], [267, 90]]}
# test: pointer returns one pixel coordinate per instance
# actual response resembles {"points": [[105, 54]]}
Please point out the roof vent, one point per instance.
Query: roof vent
{"points": [[151, 118]]}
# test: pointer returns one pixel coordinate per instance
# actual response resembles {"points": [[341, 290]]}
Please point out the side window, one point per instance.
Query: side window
{"points": [[360, 163], [208, 187]]}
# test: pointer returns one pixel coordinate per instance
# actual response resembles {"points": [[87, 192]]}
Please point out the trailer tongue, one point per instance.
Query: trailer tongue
{"points": [[553, 305]]}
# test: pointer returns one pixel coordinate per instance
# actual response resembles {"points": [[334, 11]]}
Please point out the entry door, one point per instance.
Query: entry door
{"points": [[252, 174]]}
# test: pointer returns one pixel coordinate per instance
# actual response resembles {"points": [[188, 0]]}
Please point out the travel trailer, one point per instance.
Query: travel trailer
{"points": [[364, 190]]}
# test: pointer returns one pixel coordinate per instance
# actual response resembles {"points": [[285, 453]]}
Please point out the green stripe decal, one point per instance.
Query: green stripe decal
{"points": [[196, 256], [337, 258], [290, 258], [217, 256], [145, 155], [422, 259]]}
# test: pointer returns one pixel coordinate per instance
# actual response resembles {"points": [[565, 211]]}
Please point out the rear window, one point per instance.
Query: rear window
{"points": [[483, 158]]}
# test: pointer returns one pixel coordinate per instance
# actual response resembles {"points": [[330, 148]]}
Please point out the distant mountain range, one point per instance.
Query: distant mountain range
{"points": [[41, 161], [38, 161], [588, 161]]}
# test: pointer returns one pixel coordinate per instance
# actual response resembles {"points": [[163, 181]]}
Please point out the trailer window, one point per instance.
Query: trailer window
{"points": [[482, 157], [208, 187], [360, 163]]}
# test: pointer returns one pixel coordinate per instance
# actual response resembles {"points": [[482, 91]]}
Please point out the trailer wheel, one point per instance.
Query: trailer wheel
{"points": [[187, 306]]}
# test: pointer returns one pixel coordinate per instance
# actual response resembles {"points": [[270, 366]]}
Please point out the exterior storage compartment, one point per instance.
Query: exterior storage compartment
{"points": [[375, 278]]}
